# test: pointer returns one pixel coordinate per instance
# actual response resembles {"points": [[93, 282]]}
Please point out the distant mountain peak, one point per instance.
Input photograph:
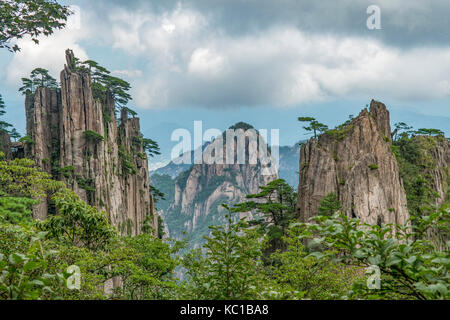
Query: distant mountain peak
{"points": [[241, 125]]}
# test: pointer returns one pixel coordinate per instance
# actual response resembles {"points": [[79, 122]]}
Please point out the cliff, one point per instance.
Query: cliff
{"points": [[5, 144], [355, 162], [200, 191], [424, 163], [76, 138], [436, 154]]}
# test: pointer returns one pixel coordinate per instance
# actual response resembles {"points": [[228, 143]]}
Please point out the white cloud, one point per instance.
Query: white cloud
{"points": [[183, 59], [140, 32], [286, 67], [205, 62], [50, 53], [128, 73]]}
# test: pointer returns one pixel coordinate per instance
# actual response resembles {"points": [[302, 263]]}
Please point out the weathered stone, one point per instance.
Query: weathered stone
{"points": [[436, 154], [356, 163], [5, 144], [57, 121], [207, 186]]}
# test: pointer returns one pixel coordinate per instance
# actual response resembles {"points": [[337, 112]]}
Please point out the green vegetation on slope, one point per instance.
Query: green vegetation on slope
{"points": [[416, 165], [234, 263], [35, 255]]}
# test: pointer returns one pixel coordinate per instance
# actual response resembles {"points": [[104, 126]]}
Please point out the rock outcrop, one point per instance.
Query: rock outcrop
{"points": [[440, 174], [435, 165], [200, 191], [5, 144], [76, 138], [356, 163]]}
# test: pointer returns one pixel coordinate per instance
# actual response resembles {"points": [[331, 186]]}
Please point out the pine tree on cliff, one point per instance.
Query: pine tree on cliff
{"points": [[39, 78], [314, 125], [3, 125], [102, 82]]}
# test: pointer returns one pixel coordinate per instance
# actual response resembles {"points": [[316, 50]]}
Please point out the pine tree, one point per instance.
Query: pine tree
{"points": [[104, 82], [14, 134], [3, 125], [276, 206], [329, 205], [315, 126], [39, 77], [27, 86], [2, 106]]}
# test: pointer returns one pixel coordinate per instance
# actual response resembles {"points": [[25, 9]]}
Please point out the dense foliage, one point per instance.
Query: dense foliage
{"points": [[39, 78], [327, 259], [275, 209], [75, 253], [33, 18], [231, 267], [35, 256], [408, 264]]}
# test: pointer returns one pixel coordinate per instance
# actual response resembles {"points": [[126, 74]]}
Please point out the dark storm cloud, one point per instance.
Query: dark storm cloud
{"points": [[233, 53], [404, 22]]}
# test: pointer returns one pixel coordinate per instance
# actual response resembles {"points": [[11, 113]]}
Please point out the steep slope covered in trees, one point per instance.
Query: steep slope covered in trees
{"points": [[424, 163]]}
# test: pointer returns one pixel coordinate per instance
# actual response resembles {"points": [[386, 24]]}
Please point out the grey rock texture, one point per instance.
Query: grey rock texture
{"points": [[57, 121], [436, 157], [5, 144], [441, 173], [356, 163], [200, 191]]}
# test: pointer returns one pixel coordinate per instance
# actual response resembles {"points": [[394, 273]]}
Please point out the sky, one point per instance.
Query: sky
{"points": [[258, 61]]}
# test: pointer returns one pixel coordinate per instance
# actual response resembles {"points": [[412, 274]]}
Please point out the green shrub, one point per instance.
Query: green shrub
{"points": [[93, 136], [77, 223], [26, 139], [340, 132], [410, 266], [329, 205], [231, 267], [126, 161], [67, 171]]}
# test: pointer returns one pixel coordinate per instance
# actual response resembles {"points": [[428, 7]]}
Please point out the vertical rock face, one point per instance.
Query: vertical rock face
{"points": [[43, 127], [356, 163], [441, 173], [208, 186], [76, 138], [435, 157], [5, 144], [201, 190]]}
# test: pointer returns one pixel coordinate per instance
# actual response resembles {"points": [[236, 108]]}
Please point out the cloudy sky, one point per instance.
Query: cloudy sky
{"points": [[260, 61]]}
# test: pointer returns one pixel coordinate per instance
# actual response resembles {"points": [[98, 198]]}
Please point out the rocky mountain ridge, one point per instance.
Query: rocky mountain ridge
{"points": [[76, 138], [356, 163], [200, 191]]}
